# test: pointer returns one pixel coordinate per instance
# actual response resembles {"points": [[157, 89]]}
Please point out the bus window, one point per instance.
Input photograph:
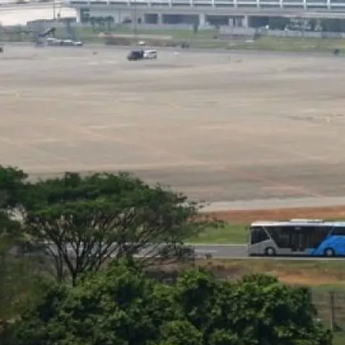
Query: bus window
{"points": [[317, 234], [291, 236], [338, 231], [280, 235], [258, 234]]}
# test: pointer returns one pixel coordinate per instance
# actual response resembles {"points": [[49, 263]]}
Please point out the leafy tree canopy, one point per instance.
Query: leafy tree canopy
{"points": [[121, 305], [82, 222], [12, 194], [12, 185]]}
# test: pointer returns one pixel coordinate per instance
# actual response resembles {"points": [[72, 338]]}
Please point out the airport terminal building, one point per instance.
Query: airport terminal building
{"points": [[238, 13]]}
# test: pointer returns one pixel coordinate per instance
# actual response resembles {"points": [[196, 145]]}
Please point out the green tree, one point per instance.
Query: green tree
{"points": [[278, 23], [12, 193], [256, 310], [20, 284], [12, 270], [109, 21], [313, 24], [195, 28], [83, 222], [332, 25], [180, 332], [120, 305], [116, 306], [93, 21]]}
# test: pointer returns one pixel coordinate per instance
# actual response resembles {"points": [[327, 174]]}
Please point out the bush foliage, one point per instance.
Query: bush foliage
{"points": [[121, 306], [99, 232]]}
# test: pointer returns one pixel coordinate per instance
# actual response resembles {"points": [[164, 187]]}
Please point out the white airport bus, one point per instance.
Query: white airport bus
{"points": [[298, 237]]}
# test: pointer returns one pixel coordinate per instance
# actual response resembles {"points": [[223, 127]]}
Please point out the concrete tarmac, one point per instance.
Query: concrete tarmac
{"points": [[248, 129]]}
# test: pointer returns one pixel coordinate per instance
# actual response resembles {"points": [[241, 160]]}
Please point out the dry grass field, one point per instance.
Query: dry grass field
{"points": [[218, 126]]}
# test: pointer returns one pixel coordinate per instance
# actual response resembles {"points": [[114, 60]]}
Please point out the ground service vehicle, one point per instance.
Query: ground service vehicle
{"points": [[51, 41], [71, 43], [135, 55], [150, 54], [298, 237]]}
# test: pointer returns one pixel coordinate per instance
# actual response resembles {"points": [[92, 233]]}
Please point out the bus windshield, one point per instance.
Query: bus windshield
{"points": [[297, 238]]}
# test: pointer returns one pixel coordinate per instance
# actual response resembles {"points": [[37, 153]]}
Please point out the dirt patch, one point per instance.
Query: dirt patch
{"points": [[299, 273], [307, 278], [311, 274], [247, 216]]}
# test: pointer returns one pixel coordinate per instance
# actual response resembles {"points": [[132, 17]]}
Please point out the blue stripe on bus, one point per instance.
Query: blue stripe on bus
{"points": [[337, 243]]}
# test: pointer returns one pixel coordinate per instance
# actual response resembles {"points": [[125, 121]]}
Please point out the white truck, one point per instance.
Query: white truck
{"points": [[150, 54]]}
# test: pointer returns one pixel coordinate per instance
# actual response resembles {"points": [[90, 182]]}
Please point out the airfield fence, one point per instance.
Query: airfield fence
{"points": [[330, 306]]}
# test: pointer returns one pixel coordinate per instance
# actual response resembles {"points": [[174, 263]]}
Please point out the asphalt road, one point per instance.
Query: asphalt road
{"points": [[221, 251], [233, 251], [238, 251]]}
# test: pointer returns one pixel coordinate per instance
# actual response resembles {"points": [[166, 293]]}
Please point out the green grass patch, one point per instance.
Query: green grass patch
{"points": [[291, 44], [88, 33], [339, 338], [322, 276], [228, 234], [338, 287], [204, 39], [178, 34], [207, 39], [321, 267]]}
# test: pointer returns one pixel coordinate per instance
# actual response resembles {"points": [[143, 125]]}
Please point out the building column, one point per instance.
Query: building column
{"points": [[202, 19], [78, 15], [245, 21], [159, 18]]}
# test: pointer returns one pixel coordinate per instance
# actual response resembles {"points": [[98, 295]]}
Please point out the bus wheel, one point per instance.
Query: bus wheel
{"points": [[329, 252], [270, 251]]}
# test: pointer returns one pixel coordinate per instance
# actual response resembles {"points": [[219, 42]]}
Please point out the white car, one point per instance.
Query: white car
{"points": [[78, 43], [53, 41], [72, 43], [150, 54]]}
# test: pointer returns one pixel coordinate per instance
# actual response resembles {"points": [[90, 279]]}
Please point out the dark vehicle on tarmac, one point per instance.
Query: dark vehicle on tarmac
{"points": [[135, 55], [336, 51]]}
